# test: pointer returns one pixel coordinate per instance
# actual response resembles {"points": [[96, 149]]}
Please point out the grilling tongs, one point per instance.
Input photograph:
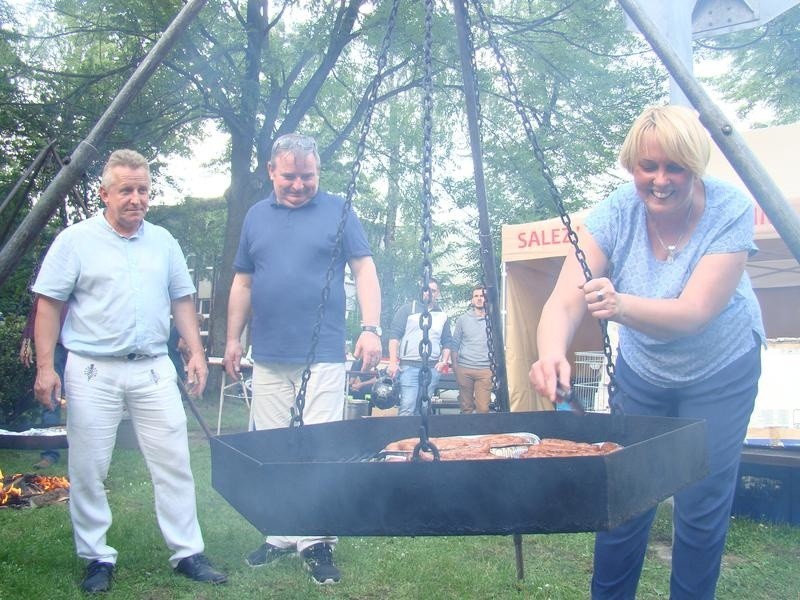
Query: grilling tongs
{"points": [[566, 395]]}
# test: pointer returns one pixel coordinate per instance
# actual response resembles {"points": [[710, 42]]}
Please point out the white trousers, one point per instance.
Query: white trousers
{"points": [[98, 390], [275, 387]]}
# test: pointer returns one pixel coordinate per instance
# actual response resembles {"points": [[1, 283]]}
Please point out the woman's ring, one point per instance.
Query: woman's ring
{"points": [[600, 296]]}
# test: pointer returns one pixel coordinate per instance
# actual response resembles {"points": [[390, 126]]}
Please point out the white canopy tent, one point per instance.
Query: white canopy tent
{"points": [[532, 254]]}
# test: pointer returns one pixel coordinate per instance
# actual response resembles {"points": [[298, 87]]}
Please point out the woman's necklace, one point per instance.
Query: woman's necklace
{"points": [[673, 249]]}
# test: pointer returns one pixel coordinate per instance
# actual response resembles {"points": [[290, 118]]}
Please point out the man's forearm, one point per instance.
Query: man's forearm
{"points": [[46, 330], [445, 358], [239, 305], [368, 290], [394, 347]]}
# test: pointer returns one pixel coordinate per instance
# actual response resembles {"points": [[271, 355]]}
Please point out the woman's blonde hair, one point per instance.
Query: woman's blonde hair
{"points": [[677, 130]]}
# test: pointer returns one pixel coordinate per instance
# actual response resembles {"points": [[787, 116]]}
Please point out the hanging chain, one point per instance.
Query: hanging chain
{"points": [[425, 346], [372, 95], [489, 307], [555, 195]]}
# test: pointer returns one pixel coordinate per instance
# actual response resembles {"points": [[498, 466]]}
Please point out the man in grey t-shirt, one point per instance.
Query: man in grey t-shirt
{"points": [[471, 356]]}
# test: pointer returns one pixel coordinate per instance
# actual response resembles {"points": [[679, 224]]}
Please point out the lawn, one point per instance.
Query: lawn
{"points": [[37, 558]]}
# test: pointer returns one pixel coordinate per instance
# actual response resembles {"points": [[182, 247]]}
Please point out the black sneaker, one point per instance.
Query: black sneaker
{"points": [[98, 577], [199, 568], [267, 554], [319, 561]]}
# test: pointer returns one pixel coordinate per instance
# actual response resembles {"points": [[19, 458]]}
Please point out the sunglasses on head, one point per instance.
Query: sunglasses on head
{"points": [[295, 141]]}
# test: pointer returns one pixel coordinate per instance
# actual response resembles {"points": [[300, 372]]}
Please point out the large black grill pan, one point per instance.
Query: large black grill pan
{"points": [[318, 479]]}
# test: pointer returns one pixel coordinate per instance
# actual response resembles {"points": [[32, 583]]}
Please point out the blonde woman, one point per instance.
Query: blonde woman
{"points": [[668, 252]]}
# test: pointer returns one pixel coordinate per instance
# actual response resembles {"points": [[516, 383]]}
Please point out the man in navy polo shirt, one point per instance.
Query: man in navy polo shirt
{"points": [[281, 266]]}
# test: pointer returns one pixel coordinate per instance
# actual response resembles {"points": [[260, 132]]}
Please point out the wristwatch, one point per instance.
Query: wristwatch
{"points": [[372, 329]]}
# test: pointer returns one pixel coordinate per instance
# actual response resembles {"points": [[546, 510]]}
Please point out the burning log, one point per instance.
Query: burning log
{"points": [[31, 490]]}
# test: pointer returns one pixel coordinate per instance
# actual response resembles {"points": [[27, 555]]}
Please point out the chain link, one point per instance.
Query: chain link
{"points": [[372, 95], [425, 347], [555, 195]]}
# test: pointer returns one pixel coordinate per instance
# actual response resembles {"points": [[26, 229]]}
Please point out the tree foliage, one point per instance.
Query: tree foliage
{"points": [[581, 79], [197, 224], [763, 68], [16, 382], [259, 70], [61, 63]]}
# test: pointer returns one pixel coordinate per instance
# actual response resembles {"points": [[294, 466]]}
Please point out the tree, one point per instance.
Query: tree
{"points": [[762, 68], [17, 404], [60, 82], [197, 224], [582, 79], [260, 70]]}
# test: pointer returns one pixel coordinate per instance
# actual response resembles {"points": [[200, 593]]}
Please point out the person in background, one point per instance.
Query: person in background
{"points": [[361, 382], [668, 252], [179, 350], [405, 335], [120, 278], [281, 266], [51, 417], [471, 356]]}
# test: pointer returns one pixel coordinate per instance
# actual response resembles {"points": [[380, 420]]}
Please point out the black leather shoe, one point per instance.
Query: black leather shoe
{"points": [[98, 577], [199, 568]]}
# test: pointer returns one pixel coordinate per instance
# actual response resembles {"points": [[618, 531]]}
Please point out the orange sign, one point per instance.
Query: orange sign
{"points": [[540, 239]]}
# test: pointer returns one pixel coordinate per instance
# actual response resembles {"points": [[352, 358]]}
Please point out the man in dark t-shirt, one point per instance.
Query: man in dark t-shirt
{"points": [[281, 266]]}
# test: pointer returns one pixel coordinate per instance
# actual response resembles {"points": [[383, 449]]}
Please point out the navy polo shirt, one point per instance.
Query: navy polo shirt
{"points": [[287, 251]]}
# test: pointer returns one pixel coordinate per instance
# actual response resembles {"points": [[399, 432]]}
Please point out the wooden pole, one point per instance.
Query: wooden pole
{"points": [[33, 168], [9, 209]]}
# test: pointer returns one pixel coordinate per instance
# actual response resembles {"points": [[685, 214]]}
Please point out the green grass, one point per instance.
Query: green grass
{"points": [[37, 557]]}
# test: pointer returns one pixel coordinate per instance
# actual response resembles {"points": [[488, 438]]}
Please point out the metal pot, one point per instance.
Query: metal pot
{"points": [[356, 408]]}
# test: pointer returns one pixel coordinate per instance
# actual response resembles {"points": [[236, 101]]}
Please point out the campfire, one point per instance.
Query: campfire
{"points": [[30, 490]]}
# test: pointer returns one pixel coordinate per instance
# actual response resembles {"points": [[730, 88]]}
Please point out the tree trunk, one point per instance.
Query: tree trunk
{"points": [[245, 190]]}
